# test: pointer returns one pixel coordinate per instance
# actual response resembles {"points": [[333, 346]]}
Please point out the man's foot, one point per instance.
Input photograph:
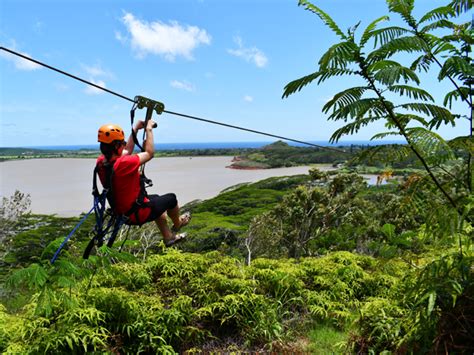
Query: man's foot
{"points": [[175, 239], [184, 220]]}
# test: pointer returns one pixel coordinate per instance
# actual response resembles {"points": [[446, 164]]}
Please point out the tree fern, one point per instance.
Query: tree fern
{"points": [[436, 25], [345, 98], [351, 128], [369, 31], [323, 16], [456, 95], [439, 114], [338, 56], [384, 35], [456, 67], [297, 85], [404, 8], [439, 13], [460, 6], [358, 109], [392, 74], [411, 92], [436, 148]]}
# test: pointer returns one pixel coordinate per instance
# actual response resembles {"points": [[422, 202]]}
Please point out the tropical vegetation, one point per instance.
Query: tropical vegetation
{"points": [[319, 263]]}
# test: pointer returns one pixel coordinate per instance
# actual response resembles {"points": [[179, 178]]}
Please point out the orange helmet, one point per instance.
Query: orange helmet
{"points": [[109, 133]]}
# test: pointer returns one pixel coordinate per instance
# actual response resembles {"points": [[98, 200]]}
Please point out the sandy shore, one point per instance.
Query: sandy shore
{"points": [[63, 186]]}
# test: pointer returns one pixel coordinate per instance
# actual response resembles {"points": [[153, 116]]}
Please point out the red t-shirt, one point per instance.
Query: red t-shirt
{"points": [[125, 185]]}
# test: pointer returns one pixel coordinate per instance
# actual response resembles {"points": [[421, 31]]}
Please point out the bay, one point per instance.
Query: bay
{"points": [[64, 186]]}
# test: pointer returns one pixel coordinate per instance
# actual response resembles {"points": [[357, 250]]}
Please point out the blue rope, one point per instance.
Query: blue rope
{"points": [[72, 232]]}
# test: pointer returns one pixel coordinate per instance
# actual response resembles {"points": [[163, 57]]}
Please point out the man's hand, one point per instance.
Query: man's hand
{"points": [[151, 124], [139, 125]]}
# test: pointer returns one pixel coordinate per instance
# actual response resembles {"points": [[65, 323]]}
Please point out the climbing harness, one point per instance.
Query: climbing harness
{"points": [[108, 223]]}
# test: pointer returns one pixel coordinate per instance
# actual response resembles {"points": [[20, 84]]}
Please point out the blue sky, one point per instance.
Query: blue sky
{"points": [[222, 60]]}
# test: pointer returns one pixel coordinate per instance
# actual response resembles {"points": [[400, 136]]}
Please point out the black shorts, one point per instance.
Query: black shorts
{"points": [[160, 204]]}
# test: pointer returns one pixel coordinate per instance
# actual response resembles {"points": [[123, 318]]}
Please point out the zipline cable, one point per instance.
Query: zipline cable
{"points": [[166, 111]]}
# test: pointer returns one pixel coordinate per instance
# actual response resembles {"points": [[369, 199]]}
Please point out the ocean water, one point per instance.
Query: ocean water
{"points": [[222, 145]]}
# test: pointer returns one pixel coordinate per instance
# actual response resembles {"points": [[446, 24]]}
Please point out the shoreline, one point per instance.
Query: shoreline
{"points": [[63, 186]]}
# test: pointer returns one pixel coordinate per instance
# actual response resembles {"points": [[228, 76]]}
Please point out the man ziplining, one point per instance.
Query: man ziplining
{"points": [[119, 172]]}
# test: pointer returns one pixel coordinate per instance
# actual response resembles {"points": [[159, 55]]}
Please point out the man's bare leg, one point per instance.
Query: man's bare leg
{"points": [[162, 224]]}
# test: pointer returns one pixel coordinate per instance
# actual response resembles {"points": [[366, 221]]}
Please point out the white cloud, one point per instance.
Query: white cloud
{"points": [[248, 98], [182, 85], [91, 90], [97, 70], [120, 37], [168, 40], [253, 55], [20, 63]]}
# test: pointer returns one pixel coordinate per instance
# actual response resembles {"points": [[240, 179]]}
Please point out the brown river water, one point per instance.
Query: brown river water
{"points": [[63, 186]]}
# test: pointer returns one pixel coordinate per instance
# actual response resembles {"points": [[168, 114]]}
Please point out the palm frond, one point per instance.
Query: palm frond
{"points": [[436, 149], [439, 13], [323, 16], [368, 33], [339, 55], [344, 98], [391, 74], [439, 114], [460, 6], [351, 128], [456, 95], [456, 67], [298, 84], [369, 107], [411, 92], [404, 8]]}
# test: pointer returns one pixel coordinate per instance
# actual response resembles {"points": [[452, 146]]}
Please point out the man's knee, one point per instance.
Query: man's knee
{"points": [[173, 200]]}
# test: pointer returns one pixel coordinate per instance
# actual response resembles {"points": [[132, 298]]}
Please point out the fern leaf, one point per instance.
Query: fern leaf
{"points": [[408, 44], [387, 153], [391, 74], [368, 33], [339, 55], [383, 135], [385, 35], [455, 95], [463, 143], [439, 114], [404, 8], [437, 150], [411, 92], [439, 13], [370, 107], [298, 84], [350, 128], [438, 24], [323, 16], [344, 98], [439, 45], [34, 276], [456, 67], [460, 6], [423, 62]]}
